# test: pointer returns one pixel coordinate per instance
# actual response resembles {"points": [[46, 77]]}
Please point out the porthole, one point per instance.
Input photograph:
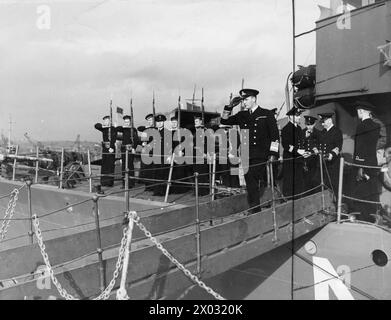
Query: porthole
{"points": [[380, 258]]}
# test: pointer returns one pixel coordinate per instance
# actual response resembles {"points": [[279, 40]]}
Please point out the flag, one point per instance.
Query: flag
{"points": [[120, 110]]}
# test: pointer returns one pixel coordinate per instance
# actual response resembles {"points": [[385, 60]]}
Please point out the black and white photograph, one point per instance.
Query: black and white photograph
{"points": [[175, 151]]}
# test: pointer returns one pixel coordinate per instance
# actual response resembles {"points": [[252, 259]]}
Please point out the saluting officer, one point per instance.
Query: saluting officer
{"points": [[146, 170], [130, 141], [291, 137], [310, 144], [200, 151], [161, 170], [365, 143], [109, 136], [259, 134], [330, 144]]}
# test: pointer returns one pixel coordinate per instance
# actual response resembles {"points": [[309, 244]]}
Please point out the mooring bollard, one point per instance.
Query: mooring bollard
{"points": [[99, 250], [30, 211], [198, 231]]}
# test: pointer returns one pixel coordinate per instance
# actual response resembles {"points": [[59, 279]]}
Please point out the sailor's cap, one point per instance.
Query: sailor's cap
{"points": [[310, 120], [174, 118], [326, 115], [244, 93], [106, 117], [126, 117], [148, 116], [160, 117], [295, 111], [364, 105]]}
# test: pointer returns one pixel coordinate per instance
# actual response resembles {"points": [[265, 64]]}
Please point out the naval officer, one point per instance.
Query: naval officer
{"points": [[330, 145], [365, 153], [130, 141], [259, 134], [109, 136], [310, 144], [293, 162]]}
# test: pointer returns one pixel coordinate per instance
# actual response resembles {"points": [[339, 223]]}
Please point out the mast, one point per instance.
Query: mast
{"points": [[202, 107], [241, 102], [293, 48], [153, 108], [9, 132]]}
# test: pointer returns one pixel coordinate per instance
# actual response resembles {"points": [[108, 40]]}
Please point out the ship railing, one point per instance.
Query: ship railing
{"points": [[33, 218], [361, 188]]}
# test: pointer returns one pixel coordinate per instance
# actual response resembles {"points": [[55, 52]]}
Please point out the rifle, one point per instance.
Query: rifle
{"points": [[153, 109], [241, 103], [179, 111], [202, 107], [131, 122], [111, 118]]}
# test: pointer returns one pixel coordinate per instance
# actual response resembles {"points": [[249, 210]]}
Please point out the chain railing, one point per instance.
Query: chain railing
{"points": [[106, 292], [9, 213], [133, 215]]}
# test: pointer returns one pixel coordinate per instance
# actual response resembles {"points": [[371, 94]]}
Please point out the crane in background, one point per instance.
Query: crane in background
{"points": [[77, 145], [33, 142]]}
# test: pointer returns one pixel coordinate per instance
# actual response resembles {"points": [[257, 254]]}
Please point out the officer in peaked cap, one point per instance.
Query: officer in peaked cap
{"points": [[178, 170], [259, 141], [330, 146], [109, 137], [291, 138], [200, 155], [310, 144], [365, 153], [130, 141], [164, 153]]}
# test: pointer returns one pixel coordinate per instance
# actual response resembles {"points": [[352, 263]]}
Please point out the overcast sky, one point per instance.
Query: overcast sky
{"points": [[56, 83]]}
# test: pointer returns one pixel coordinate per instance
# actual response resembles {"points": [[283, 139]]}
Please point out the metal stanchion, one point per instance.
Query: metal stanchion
{"points": [[61, 168], [36, 165], [214, 176], [30, 211], [14, 166], [89, 169], [169, 177], [102, 275], [275, 237], [198, 231], [127, 206], [322, 180], [340, 182]]}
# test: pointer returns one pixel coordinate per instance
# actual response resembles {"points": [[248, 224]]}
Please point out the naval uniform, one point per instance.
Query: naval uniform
{"points": [[146, 170], [367, 134], [293, 162], [225, 157], [178, 170], [259, 133], [128, 144], [162, 170], [330, 143], [310, 141], [200, 162], [108, 158]]}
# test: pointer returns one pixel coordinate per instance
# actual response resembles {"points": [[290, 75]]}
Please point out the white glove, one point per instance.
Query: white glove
{"points": [[111, 150], [316, 151], [300, 151]]}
